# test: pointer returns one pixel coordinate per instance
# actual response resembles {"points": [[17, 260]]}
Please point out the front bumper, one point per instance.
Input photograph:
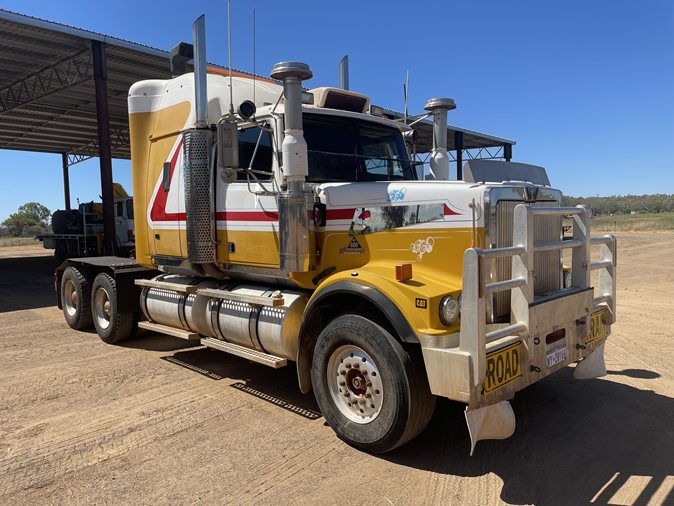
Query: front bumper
{"points": [[560, 329], [483, 364]]}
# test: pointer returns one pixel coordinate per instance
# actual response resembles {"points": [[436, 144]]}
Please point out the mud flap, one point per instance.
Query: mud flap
{"points": [[491, 422], [592, 366]]}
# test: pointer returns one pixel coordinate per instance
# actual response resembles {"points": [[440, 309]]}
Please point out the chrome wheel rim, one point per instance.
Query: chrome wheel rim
{"points": [[102, 307], [355, 384], [70, 298]]}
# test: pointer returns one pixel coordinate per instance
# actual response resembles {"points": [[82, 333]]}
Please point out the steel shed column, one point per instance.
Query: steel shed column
{"points": [[507, 152], [458, 146], [66, 180], [104, 151]]}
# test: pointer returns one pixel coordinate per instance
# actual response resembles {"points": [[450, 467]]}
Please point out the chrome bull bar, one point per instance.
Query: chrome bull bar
{"points": [[474, 338], [476, 341]]}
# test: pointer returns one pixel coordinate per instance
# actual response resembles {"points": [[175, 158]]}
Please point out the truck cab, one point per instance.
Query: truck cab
{"points": [[124, 236]]}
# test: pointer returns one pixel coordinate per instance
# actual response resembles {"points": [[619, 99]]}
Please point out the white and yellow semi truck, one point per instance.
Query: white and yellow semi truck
{"points": [[294, 229]]}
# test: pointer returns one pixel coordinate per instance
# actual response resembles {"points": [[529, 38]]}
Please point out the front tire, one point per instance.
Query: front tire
{"points": [[75, 296], [111, 325], [372, 392]]}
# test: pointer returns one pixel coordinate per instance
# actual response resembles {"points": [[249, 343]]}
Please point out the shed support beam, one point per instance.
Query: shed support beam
{"points": [[458, 146], [66, 180], [507, 152], [104, 150], [59, 76]]}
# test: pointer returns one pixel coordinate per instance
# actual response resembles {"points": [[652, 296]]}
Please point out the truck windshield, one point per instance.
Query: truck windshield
{"points": [[348, 149]]}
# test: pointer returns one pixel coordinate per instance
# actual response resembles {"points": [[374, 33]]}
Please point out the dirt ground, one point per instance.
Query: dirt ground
{"points": [[157, 421]]}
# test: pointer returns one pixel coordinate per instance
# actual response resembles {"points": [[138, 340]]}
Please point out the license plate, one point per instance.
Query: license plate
{"points": [[555, 355], [503, 367], [598, 326]]}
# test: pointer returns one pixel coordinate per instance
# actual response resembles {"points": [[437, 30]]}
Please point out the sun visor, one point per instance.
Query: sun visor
{"points": [[482, 171]]}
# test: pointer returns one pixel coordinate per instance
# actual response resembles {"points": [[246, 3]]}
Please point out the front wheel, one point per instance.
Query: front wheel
{"points": [[111, 325], [372, 392]]}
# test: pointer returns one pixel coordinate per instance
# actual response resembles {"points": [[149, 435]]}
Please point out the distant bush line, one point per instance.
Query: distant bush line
{"points": [[624, 204]]}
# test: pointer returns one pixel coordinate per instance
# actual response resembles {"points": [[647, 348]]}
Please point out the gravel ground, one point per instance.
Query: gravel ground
{"points": [[158, 421]]}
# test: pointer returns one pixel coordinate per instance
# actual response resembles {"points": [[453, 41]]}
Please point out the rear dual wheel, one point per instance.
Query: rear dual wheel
{"points": [[75, 298], [85, 303], [111, 324], [373, 393]]}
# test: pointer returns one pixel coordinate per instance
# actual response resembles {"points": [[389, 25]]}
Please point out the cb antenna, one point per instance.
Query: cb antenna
{"points": [[229, 37], [406, 90], [253, 54]]}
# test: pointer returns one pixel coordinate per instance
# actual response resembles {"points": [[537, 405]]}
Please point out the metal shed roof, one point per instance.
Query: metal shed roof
{"points": [[47, 96]]}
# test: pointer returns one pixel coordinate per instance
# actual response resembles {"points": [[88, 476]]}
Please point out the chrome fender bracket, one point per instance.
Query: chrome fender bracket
{"points": [[490, 422], [592, 366]]}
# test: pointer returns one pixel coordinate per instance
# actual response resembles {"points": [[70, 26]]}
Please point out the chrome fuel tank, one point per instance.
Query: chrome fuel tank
{"points": [[273, 330]]}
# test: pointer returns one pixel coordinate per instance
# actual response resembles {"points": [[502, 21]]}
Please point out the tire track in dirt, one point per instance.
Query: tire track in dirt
{"points": [[107, 435], [285, 470]]}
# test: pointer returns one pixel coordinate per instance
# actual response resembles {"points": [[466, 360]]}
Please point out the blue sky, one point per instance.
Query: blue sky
{"points": [[586, 88]]}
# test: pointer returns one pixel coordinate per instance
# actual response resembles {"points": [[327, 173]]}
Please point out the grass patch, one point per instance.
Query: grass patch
{"points": [[18, 241], [634, 222]]}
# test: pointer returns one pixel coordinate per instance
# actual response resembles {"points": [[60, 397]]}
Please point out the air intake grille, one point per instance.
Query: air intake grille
{"points": [[198, 199], [546, 263]]}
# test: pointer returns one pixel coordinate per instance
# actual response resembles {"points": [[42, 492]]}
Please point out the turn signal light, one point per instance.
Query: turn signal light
{"points": [[403, 272]]}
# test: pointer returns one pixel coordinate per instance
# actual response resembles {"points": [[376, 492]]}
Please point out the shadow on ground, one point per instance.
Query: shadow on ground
{"points": [[576, 442], [27, 283], [635, 373], [276, 386]]}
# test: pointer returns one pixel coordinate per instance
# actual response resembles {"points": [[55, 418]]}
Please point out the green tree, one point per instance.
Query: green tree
{"points": [[30, 219]]}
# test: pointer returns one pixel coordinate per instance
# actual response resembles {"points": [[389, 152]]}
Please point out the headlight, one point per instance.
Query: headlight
{"points": [[449, 310]]}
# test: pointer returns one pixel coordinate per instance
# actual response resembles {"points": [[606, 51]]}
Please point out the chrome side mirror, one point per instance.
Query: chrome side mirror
{"points": [[228, 145]]}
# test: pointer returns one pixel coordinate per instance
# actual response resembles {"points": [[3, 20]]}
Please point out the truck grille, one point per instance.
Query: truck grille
{"points": [[546, 263]]}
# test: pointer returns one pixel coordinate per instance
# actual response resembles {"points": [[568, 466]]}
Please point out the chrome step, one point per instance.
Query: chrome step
{"points": [[503, 342], [165, 285], [240, 351], [502, 336], [169, 331], [259, 300]]}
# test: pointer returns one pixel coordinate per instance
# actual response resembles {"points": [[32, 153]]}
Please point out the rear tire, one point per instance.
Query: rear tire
{"points": [[371, 391], [75, 297], [111, 325]]}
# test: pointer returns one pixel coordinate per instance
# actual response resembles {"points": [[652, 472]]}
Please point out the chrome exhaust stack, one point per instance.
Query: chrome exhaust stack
{"points": [[197, 155], [296, 237], [439, 156], [200, 93]]}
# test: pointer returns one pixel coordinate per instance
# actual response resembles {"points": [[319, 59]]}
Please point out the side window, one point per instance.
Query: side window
{"points": [[262, 163], [119, 209], [129, 209]]}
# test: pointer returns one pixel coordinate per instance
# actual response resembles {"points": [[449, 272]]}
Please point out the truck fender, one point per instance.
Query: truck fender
{"points": [[311, 321]]}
